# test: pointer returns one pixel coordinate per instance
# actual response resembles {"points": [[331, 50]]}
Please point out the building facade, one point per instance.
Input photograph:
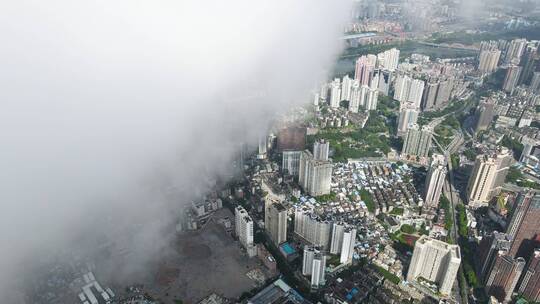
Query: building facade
{"points": [[244, 230], [435, 261], [504, 276], [524, 227], [417, 141], [487, 177], [314, 265], [275, 220], [314, 175], [435, 179], [291, 162]]}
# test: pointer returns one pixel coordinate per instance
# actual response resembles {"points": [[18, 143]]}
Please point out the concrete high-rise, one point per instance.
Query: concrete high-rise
{"points": [[343, 242], [484, 114], [511, 79], [430, 95], [335, 93], [489, 248], [437, 93], [385, 79], [528, 146], [529, 62], [244, 230], [291, 162], [514, 51], [346, 87], [410, 90], [408, 116], [489, 60], [371, 99], [307, 259], [504, 276], [402, 88], [388, 60], [524, 227], [275, 220], [417, 141], [487, 177], [336, 241], [535, 82], [263, 147], [310, 227], [314, 264], [435, 261], [323, 92], [530, 284], [365, 65], [444, 91], [348, 244], [314, 175], [321, 148], [316, 99], [358, 95], [435, 178], [291, 138]]}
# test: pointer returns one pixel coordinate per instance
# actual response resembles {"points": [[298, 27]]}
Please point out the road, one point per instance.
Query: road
{"points": [[453, 196], [450, 46]]}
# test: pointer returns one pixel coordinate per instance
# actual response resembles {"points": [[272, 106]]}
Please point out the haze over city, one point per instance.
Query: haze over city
{"points": [[366, 151], [102, 99]]}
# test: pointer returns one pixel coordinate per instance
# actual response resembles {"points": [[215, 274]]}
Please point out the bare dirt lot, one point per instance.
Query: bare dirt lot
{"points": [[204, 262]]}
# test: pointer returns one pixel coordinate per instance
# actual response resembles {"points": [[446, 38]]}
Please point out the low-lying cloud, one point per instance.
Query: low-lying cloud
{"points": [[120, 110]]}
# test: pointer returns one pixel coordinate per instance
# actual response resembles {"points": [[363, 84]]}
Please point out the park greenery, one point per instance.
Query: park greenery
{"points": [[327, 197], [466, 38], [513, 144], [515, 176], [444, 135], [387, 274], [407, 48], [467, 250], [375, 139], [409, 229], [463, 229], [454, 158], [470, 154], [444, 204], [400, 243], [368, 200], [397, 211]]}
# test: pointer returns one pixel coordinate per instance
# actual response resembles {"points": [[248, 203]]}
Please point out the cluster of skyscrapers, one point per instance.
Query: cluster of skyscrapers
{"points": [[324, 236], [437, 92], [314, 265], [351, 90], [369, 65], [518, 57], [408, 91], [321, 236], [510, 262]]}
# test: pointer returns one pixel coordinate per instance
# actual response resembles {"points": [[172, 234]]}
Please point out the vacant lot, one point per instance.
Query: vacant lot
{"points": [[205, 261]]}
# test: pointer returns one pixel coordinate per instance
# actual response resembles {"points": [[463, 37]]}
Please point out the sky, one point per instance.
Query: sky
{"points": [[115, 113]]}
